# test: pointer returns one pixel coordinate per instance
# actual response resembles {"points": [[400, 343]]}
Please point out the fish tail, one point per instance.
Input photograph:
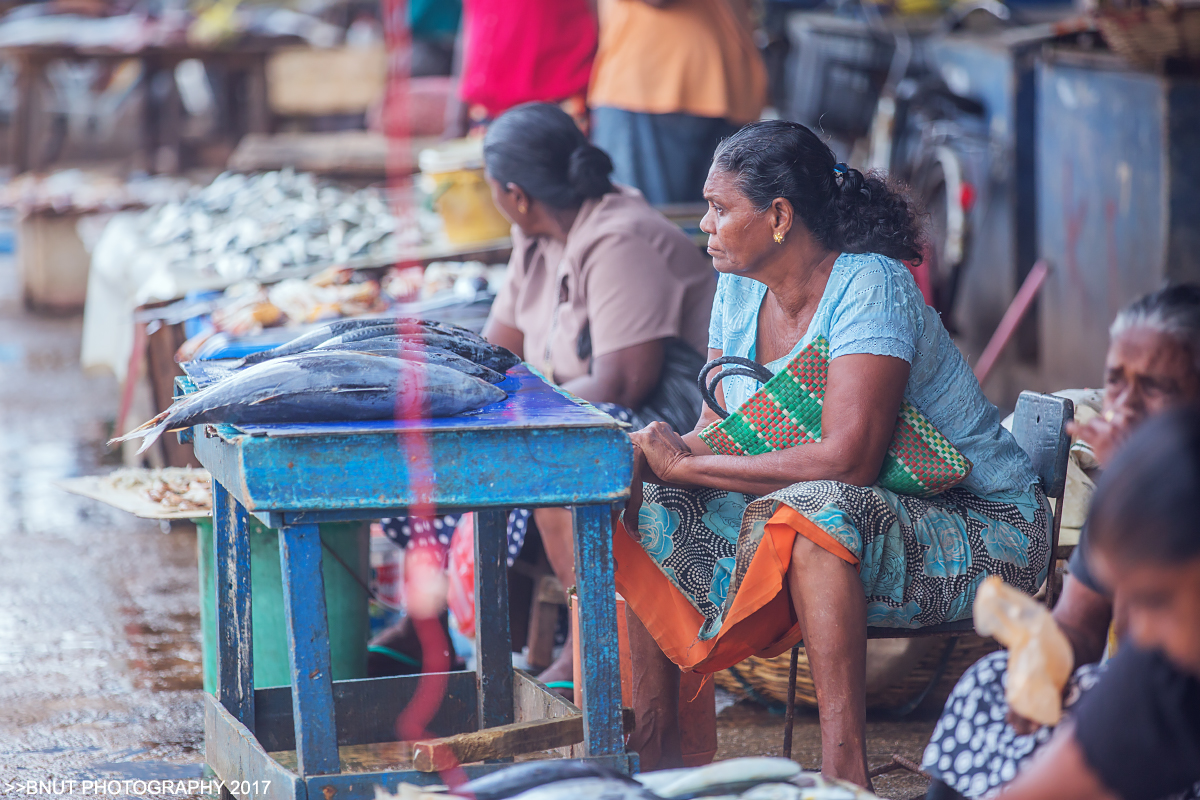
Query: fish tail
{"points": [[150, 430]]}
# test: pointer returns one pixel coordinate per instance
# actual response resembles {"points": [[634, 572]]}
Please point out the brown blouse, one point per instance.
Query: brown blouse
{"points": [[625, 276]]}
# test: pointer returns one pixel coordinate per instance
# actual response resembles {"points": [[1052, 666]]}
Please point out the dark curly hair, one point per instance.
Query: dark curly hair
{"points": [[843, 208], [539, 147]]}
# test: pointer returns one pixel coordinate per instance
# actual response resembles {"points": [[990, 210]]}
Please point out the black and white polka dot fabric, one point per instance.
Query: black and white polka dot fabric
{"points": [[973, 750]]}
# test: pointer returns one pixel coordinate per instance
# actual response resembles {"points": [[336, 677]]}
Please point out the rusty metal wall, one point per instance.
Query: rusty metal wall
{"points": [[1118, 189]]}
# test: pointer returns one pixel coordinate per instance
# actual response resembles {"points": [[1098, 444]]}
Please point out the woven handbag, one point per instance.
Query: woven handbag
{"points": [[786, 412]]}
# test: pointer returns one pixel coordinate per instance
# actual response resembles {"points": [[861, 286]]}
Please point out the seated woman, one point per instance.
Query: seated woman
{"points": [[1136, 734], [732, 556], [1153, 364], [605, 296]]}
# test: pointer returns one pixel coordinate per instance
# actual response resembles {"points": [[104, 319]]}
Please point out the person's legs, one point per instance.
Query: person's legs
{"points": [[655, 736], [832, 610], [558, 540]]}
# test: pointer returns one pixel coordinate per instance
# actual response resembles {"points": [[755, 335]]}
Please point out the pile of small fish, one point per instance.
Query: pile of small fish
{"points": [[349, 370], [243, 226], [566, 779]]}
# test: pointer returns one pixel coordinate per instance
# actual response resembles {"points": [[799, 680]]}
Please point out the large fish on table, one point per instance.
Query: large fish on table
{"points": [[334, 386], [354, 325], [398, 348], [350, 330]]}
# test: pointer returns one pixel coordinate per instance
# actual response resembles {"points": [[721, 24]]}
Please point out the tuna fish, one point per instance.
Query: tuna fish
{"points": [[485, 353], [351, 330], [395, 346], [514, 780], [321, 387]]}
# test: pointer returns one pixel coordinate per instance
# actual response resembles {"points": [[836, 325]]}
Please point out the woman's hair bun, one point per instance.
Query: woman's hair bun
{"points": [[539, 147], [588, 170]]}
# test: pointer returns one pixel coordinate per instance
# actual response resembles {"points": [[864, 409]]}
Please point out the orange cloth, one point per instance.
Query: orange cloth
{"points": [[761, 622], [694, 56]]}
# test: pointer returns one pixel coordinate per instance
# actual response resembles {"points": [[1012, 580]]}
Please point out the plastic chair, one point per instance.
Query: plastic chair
{"points": [[1040, 427]]}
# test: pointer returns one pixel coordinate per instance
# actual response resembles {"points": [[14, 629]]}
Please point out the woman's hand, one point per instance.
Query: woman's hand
{"points": [[1104, 433], [633, 505], [664, 451]]}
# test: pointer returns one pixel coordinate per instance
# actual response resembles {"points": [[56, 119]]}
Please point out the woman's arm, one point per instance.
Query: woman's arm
{"points": [[506, 336], [862, 401], [625, 377], [1084, 617]]}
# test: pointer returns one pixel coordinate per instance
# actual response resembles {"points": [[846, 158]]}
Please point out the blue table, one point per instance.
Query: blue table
{"points": [[537, 448]]}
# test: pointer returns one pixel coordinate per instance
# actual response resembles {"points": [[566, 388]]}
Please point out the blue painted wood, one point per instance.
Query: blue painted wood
{"points": [[366, 710], [294, 481], [308, 642], [235, 651], [601, 671], [236, 757], [472, 469], [493, 640]]}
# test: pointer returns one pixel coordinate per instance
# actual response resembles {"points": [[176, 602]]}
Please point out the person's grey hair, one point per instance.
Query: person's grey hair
{"points": [[1174, 311]]}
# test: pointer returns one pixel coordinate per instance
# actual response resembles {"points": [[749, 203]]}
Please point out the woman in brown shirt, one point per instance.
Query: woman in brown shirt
{"points": [[605, 296]]}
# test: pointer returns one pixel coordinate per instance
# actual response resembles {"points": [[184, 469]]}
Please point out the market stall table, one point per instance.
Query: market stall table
{"points": [[161, 119], [537, 448]]}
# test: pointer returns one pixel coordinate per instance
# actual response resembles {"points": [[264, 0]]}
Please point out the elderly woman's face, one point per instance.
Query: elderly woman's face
{"points": [[739, 237], [1147, 372]]}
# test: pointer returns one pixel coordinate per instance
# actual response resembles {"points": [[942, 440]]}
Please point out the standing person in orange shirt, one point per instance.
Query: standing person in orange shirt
{"points": [[672, 78]]}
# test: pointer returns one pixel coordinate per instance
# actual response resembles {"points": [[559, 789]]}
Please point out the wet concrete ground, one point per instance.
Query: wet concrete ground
{"points": [[99, 648], [99, 627]]}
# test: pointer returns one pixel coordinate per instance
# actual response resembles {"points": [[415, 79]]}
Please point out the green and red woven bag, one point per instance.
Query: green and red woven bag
{"points": [[786, 412]]}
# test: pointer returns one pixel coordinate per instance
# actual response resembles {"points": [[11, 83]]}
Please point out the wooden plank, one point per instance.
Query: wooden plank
{"points": [[532, 701], [308, 644], [365, 710], [493, 639], [601, 668], [236, 756], [235, 640], [502, 741]]}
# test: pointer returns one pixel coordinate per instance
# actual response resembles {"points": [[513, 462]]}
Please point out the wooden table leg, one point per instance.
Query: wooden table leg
{"points": [[308, 650], [235, 651], [493, 639], [601, 668]]}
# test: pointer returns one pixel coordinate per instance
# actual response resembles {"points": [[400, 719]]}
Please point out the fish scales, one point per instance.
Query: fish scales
{"points": [[587, 789], [519, 778], [722, 776]]}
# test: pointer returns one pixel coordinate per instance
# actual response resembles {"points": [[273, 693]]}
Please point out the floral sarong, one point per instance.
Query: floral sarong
{"points": [[920, 559]]}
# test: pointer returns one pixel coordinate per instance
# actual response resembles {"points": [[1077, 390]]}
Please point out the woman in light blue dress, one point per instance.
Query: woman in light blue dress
{"points": [[732, 556]]}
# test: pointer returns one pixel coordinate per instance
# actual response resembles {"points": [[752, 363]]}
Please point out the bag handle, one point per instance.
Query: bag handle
{"points": [[740, 366]]}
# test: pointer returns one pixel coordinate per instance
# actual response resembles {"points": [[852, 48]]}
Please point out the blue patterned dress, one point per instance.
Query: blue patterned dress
{"points": [[920, 559]]}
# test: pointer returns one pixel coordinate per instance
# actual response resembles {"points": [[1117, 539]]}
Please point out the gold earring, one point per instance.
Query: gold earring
{"points": [[522, 208], [778, 237]]}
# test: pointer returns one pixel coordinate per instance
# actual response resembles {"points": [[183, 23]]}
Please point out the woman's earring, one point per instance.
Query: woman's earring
{"points": [[522, 208], [778, 237]]}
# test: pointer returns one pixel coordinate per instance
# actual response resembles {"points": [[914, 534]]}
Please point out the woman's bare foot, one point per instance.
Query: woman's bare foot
{"points": [[562, 670]]}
